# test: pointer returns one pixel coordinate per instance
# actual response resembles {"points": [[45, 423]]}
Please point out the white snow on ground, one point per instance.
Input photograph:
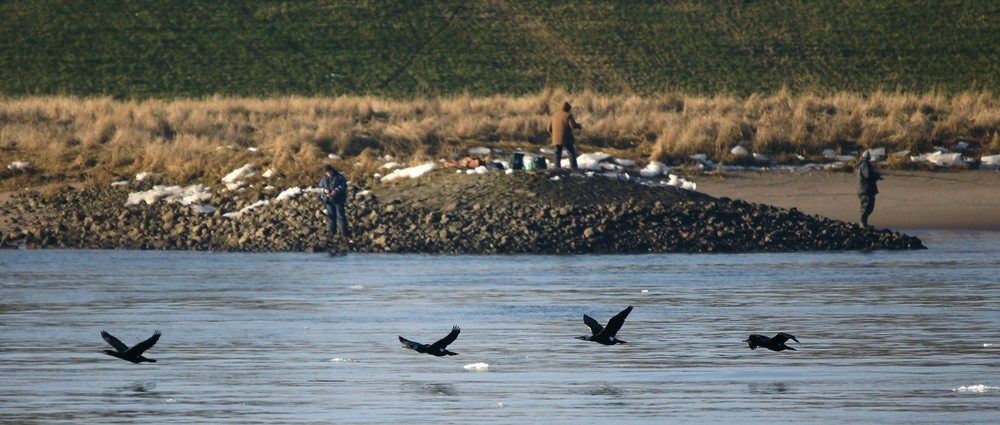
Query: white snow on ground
{"points": [[288, 194], [588, 161], [239, 174], [625, 162], [19, 165], [991, 162], [939, 158], [739, 151], [412, 172], [334, 157], [653, 169], [392, 165], [479, 150], [676, 181], [269, 173], [143, 176], [247, 209], [191, 195]]}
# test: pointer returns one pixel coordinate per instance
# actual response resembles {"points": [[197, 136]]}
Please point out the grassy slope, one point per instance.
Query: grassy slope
{"points": [[402, 47]]}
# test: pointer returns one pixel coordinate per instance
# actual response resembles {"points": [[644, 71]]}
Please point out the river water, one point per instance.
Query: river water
{"points": [[886, 337]]}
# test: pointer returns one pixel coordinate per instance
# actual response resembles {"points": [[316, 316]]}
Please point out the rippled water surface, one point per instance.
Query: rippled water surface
{"points": [[886, 337]]}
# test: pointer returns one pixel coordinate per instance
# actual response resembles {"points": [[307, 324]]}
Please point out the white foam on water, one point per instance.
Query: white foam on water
{"points": [[358, 287], [476, 366], [988, 345], [499, 405], [342, 360], [644, 291], [976, 389]]}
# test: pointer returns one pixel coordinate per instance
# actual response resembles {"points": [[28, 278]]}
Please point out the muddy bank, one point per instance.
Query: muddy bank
{"points": [[442, 212]]}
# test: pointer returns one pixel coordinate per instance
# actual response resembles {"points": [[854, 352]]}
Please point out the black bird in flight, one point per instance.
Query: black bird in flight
{"points": [[606, 335], [777, 343], [133, 354], [435, 349]]}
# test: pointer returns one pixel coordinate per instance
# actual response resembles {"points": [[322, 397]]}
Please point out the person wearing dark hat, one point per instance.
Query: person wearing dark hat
{"points": [[334, 187], [561, 127], [867, 186]]}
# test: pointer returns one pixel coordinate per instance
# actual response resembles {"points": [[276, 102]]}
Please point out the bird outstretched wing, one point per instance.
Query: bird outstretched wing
{"points": [[615, 324], [443, 342], [145, 345], [782, 337], [409, 344], [595, 328], [114, 342]]}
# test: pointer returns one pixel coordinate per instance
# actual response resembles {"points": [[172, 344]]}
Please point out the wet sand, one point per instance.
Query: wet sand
{"points": [[907, 199]]}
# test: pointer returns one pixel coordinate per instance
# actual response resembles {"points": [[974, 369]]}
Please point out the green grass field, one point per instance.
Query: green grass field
{"points": [[406, 48]]}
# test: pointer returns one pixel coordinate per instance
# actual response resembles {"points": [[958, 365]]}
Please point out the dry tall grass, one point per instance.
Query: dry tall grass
{"points": [[201, 140]]}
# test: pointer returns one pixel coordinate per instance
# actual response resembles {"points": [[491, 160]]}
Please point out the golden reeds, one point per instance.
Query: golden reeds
{"points": [[203, 139]]}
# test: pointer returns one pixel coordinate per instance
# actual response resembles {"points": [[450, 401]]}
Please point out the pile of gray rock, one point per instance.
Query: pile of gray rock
{"points": [[444, 214]]}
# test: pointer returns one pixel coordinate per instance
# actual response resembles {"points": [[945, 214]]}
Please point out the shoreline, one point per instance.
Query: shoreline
{"points": [[946, 199], [550, 212]]}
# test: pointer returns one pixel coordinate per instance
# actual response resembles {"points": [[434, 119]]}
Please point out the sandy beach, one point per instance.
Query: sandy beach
{"points": [[907, 199]]}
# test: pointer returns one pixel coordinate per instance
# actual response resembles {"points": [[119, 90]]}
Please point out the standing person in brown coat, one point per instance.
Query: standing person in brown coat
{"points": [[561, 128]]}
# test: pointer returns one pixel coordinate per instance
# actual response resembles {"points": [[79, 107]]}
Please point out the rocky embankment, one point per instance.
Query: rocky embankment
{"points": [[443, 212]]}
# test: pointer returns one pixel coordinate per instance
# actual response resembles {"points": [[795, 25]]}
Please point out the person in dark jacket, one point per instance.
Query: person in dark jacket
{"points": [[334, 187], [561, 127], [867, 186]]}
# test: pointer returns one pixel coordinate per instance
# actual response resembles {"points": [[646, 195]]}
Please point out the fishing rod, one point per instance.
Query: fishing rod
{"points": [[936, 178]]}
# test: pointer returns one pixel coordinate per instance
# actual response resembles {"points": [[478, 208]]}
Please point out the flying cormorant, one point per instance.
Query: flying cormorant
{"points": [[133, 354], [606, 335], [435, 349], [774, 344]]}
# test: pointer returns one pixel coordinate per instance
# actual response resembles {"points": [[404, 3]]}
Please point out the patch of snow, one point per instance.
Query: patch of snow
{"points": [[991, 162], [739, 151], [676, 181], [961, 146], [625, 162], [269, 173], [939, 158], [119, 183], [547, 151], [392, 165], [234, 185], [143, 176], [190, 195], [204, 209], [362, 194], [412, 172], [288, 194], [253, 149], [238, 174], [334, 157], [19, 165], [760, 158], [653, 169], [829, 153], [247, 209]]}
